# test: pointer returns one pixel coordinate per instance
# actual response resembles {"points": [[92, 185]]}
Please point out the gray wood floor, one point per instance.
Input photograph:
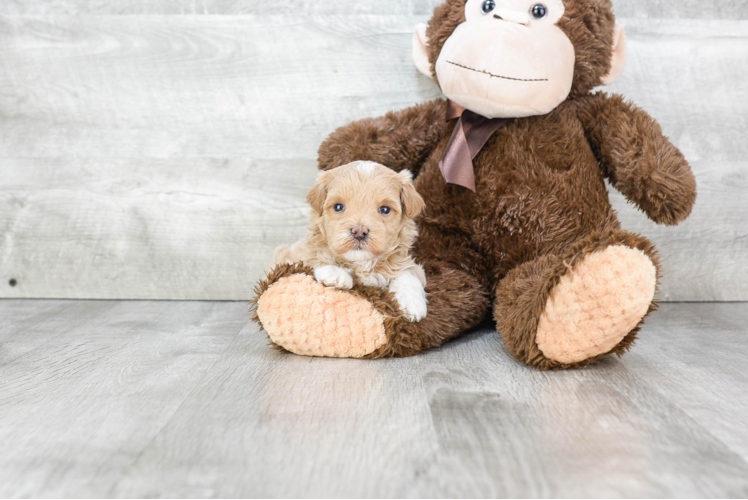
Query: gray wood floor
{"points": [[152, 399]]}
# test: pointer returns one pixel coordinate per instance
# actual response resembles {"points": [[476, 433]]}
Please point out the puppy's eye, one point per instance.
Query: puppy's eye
{"points": [[539, 11], [488, 6], [338, 207], [384, 210]]}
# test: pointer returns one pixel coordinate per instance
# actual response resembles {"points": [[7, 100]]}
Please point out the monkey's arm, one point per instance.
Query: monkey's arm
{"points": [[637, 158], [399, 140]]}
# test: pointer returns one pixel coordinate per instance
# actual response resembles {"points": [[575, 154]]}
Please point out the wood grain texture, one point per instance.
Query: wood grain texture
{"points": [[165, 156], [165, 399], [30, 324], [669, 9], [83, 386], [148, 228]]}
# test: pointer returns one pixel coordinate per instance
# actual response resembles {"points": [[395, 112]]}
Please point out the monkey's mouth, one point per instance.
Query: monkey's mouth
{"points": [[498, 76]]}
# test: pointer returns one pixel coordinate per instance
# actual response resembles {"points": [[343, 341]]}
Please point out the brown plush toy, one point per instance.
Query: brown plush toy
{"points": [[512, 168]]}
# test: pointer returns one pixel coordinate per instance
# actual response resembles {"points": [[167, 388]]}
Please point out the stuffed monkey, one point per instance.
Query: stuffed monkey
{"points": [[512, 167]]}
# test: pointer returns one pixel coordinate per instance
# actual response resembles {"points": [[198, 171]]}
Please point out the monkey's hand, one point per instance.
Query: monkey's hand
{"points": [[637, 158], [399, 140]]}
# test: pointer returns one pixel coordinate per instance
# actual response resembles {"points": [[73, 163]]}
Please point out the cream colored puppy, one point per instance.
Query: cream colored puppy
{"points": [[362, 227]]}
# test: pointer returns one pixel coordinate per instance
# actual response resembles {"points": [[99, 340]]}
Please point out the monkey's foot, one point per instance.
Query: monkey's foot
{"points": [[595, 305], [307, 318]]}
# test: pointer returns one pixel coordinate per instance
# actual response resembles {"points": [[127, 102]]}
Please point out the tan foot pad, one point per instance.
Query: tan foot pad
{"points": [[311, 319], [596, 305]]}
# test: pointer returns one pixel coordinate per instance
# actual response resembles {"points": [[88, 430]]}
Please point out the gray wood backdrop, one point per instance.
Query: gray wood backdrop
{"points": [[162, 149]]}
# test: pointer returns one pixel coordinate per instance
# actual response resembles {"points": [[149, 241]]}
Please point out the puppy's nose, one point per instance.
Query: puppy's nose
{"points": [[360, 232]]}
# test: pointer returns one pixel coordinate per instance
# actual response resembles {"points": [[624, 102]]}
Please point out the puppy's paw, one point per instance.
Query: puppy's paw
{"points": [[415, 306], [375, 279], [411, 296], [334, 276]]}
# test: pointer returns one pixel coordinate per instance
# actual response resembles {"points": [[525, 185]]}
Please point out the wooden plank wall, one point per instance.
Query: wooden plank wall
{"points": [[162, 149]]}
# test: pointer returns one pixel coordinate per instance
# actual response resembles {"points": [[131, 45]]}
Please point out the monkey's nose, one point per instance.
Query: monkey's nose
{"points": [[360, 232], [512, 16]]}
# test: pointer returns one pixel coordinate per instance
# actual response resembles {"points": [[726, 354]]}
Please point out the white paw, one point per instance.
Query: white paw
{"points": [[375, 279], [411, 296], [334, 276]]}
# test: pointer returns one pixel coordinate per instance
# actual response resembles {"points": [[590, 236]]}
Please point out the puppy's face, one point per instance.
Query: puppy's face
{"points": [[361, 208]]}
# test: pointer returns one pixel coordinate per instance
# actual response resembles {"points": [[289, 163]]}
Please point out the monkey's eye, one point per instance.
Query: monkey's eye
{"points": [[384, 210], [539, 11], [488, 6], [338, 207]]}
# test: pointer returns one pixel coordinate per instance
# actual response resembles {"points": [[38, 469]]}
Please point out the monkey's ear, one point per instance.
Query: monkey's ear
{"points": [[618, 60], [412, 202], [420, 50], [318, 194]]}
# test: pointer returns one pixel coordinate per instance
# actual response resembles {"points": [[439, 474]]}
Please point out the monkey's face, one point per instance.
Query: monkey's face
{"points": [[508, 59], [516, 58]]}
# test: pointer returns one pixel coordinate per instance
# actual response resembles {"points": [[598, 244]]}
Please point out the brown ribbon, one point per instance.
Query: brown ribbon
{"points": [[470, 134]]}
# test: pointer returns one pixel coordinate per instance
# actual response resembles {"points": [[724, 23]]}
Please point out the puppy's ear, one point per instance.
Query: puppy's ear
{"points": [[412, 202], [318, 194]]}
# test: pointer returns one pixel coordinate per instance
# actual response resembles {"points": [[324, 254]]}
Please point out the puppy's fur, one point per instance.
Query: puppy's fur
{"points": [[362, 228]]}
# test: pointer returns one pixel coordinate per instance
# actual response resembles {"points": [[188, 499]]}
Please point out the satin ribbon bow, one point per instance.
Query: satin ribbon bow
{"points": [[470, 134]]}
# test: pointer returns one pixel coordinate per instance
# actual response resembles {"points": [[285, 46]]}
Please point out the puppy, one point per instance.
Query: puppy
{"points": [[362, 228]]}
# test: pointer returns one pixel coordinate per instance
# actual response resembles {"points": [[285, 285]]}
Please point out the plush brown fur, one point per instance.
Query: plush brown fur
{"points": [[455, 292], [521, 297], [541, 203]]}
